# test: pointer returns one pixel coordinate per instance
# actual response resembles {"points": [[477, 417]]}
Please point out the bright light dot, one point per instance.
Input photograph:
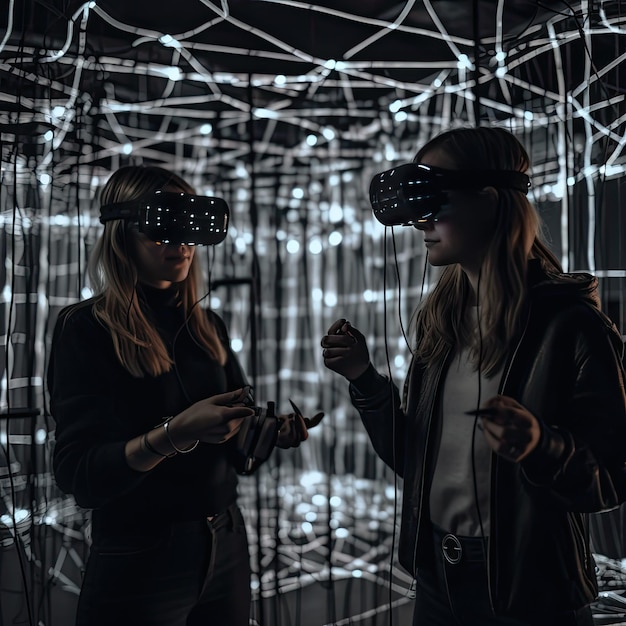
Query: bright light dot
{"points": [[236, 345], [335, 214], [357, 573], [335, 238], [311, 140], [240, 245], [342, 533], [330, 299], [501, 72], [500, 56], [127, 148], [317, 295], [281, 79], [48, 135], [173, 73], [330, 64], [241, 170], [315, 246], [311, 479], [571, 181], [45, 179], [206, 129], [347, 177], [437, 83], [307, 527], [398, 361], [319, 500], [395, 106], [328, 133], [335, 501], [293, 246], [464, 62], [216, 302], [86, 293], [281, 234], [58, 111], [40, 436], [528, 115], [297, 192], [369, 295], [401, 116], [6, 293], [334, 180], [169, 42], [311, 516]]}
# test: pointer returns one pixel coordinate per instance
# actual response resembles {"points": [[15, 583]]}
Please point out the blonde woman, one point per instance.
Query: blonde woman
{"points": [[512, 425], [148, 399]]}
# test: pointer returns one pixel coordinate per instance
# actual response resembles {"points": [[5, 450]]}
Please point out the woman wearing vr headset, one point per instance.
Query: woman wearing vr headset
{"points": [[148, 399], [512, 422]]}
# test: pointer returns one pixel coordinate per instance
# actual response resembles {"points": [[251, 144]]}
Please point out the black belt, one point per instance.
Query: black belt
{"points": [[457, 549]]}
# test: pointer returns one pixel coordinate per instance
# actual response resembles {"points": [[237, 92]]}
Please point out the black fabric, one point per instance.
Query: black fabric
{"points": [[98, 406], [566, 369]]}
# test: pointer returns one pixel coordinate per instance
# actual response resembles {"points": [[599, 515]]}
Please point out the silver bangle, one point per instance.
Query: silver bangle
{"points": [[169, 438]]}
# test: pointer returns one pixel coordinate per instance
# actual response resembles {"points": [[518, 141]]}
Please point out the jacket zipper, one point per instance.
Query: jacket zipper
{"points": [[428, 431]]}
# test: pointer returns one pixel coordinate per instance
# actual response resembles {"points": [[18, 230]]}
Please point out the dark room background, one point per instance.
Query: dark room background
{"points": [[286, 109]]}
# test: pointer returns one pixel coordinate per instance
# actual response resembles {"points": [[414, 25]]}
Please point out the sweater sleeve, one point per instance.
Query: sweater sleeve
{"points": [[88, 458]]}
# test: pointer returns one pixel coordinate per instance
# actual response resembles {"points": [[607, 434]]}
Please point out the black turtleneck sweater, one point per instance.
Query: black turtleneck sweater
{"points": [[98, 406]]}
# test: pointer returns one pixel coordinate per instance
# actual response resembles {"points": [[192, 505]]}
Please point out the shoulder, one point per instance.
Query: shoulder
{"points": [[78, 319]]}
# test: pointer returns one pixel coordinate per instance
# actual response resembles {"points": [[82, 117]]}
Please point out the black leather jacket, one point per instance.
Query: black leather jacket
{"points": [[566, 369]]}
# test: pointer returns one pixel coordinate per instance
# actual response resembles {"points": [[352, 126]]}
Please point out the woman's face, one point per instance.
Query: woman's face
{"points": [[462, 229], [160, 265]]}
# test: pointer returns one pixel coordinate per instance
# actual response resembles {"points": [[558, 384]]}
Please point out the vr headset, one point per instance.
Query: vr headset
{"points": [[414, 193], [174, 217]]}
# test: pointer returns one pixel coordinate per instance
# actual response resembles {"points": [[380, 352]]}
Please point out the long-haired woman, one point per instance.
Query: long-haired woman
{"points": [[512, 421], [148, 399]]}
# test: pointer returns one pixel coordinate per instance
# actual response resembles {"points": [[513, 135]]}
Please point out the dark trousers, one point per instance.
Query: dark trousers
{"points": [[456, 594], [189, 574]]}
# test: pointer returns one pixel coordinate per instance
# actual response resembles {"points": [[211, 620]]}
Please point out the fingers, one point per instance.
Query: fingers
{"points": [[336, 326], [230, 398]]}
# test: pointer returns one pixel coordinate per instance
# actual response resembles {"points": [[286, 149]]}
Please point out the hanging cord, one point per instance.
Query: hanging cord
{"points": [[476, 426]]}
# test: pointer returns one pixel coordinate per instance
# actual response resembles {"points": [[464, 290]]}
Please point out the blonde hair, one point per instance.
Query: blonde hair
{"points": [[113, 273], [440, 323]]}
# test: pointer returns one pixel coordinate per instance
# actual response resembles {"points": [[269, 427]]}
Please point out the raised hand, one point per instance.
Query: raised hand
{"points": [[345, 350]]}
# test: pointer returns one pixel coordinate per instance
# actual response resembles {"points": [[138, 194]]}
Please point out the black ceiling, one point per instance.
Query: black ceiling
{"points": [[150, 73]]}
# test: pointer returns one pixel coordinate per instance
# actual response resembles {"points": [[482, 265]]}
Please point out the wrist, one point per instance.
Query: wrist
{"points": [[179, 443]]}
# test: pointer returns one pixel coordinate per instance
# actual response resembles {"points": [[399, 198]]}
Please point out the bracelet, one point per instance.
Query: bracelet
{"points": [[193, 446], [146, 446]]}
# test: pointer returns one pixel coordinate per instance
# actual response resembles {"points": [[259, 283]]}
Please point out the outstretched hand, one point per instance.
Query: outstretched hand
{"points": [[510, 429], [345, 350]]}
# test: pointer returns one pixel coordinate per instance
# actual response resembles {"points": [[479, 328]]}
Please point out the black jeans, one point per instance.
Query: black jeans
{"points": [[188, 574], [457, 594]]}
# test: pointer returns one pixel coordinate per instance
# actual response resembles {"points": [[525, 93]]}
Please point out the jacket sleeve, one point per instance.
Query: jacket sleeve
{"points": [[581, 458], [377, 400], [88, 458]]}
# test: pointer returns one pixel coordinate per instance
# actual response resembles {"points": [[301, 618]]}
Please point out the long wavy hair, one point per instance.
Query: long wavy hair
{"points": [[441, 322], [114, 275]]}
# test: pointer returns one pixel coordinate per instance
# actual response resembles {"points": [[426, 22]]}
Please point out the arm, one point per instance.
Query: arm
{"points": [[575, 452], [374, 396]]}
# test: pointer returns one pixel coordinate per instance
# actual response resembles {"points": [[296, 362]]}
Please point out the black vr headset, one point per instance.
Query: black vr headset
{"points": [[174, 217], [414, 193]]}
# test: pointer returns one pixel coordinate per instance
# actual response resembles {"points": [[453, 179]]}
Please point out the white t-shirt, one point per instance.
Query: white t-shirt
{"points": [[460, 491]]}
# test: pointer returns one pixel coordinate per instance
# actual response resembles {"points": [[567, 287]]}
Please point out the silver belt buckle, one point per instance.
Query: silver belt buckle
{"points": [[451, 548]]}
